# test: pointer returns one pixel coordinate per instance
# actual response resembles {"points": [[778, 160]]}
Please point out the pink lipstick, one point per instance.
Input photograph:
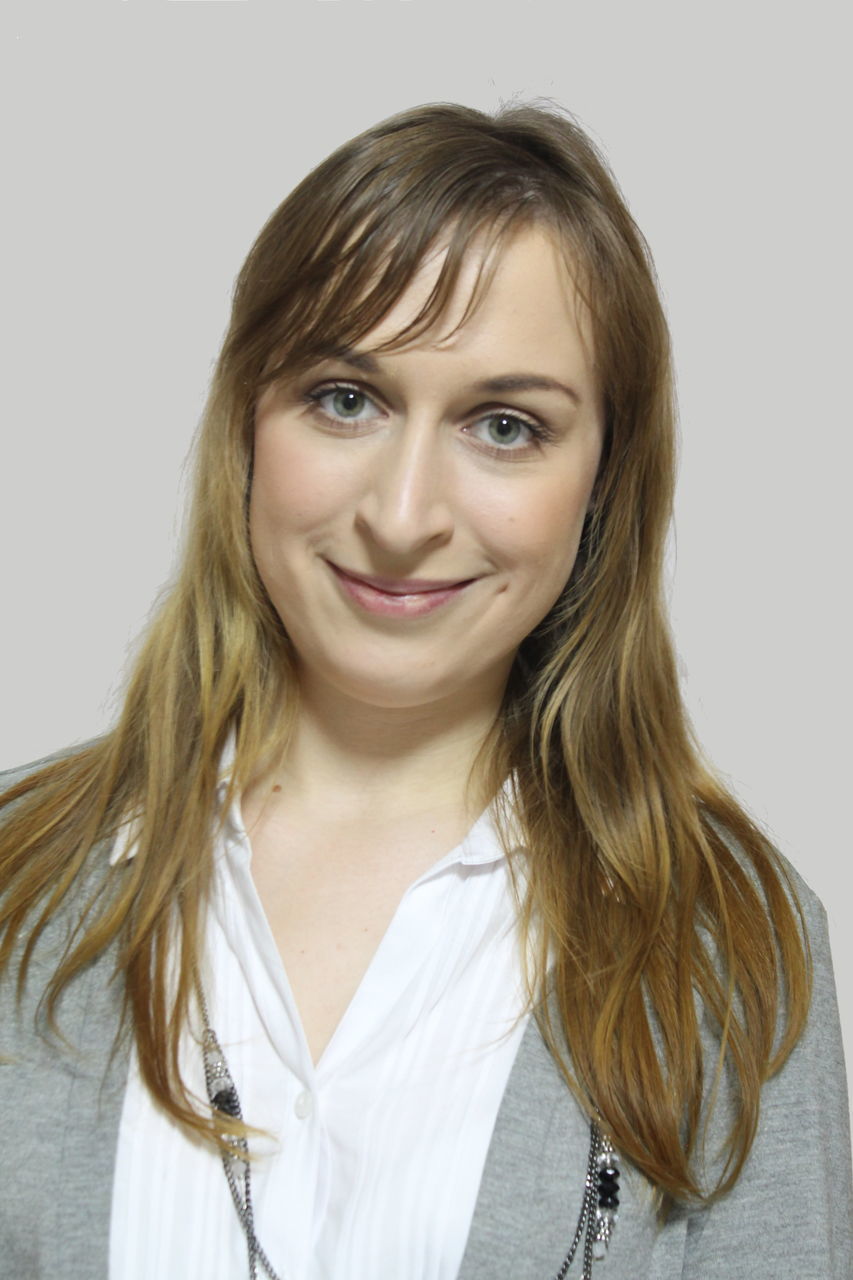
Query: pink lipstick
{"points": [[398, 597]]}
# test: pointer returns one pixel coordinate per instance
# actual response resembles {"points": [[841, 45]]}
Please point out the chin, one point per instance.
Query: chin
{"points": [[399, 694], [387, 689]]}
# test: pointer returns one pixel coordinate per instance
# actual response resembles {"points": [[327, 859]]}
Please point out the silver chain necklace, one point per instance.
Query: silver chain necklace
{"points": [[598, 1208]]}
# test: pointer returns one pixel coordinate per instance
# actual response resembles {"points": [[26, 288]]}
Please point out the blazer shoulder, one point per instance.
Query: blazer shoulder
{"points": [[800, 893], [10, 778]]}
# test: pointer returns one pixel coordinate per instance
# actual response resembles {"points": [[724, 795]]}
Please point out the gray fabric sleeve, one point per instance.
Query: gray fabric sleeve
{"points": [[791, 1212]]}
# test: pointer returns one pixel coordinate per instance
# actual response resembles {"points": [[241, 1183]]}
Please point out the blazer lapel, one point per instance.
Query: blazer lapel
{"points": [[533, 1180]]}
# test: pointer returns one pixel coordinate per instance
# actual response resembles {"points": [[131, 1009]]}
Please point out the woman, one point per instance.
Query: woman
{"points": [[401, 851]]}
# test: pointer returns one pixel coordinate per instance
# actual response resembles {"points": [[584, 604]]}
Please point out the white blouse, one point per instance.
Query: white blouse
{"points": [[377, 1152]]}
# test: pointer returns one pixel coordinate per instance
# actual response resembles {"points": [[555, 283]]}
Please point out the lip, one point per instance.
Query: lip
{"points": [[398, 597]]}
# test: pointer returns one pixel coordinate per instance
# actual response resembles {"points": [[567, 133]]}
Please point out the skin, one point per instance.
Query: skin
{"points": [[409, 478], [418, 475]]}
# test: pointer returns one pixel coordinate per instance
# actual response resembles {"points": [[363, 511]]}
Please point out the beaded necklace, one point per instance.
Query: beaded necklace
{"points": [[598, 1207]]}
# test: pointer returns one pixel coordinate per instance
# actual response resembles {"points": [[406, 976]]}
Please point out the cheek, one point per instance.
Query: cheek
{"points": [[541, 534], [293, 488]]}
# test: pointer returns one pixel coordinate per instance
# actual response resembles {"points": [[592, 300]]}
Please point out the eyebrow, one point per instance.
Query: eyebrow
{"points": [[505, 382]]}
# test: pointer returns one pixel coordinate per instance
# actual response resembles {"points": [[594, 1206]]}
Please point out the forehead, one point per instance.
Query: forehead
{"points": [[515, 302]]}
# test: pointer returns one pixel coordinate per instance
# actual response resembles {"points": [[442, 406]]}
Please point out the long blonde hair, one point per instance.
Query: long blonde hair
{"points": [[646, 882]]}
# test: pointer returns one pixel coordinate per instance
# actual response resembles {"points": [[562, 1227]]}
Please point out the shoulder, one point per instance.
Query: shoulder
{"points": [[822, 1035], [26, 876], [10, 778], [805, 902], [811, 918], [807, 905]]}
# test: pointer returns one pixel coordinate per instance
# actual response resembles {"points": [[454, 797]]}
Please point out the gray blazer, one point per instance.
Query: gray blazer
{"points": [[789, 1215]]}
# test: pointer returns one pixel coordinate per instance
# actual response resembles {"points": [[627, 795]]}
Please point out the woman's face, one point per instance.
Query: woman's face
{"points": [[415, 514]]}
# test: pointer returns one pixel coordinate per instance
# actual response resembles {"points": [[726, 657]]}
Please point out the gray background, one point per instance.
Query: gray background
{"points": [[146, 144]]}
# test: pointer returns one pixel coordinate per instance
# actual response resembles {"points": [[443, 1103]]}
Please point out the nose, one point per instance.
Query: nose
{"points": [[406, 504]]}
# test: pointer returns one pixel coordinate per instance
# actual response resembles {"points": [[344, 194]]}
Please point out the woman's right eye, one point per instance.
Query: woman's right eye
{"points": [[341, 403]]}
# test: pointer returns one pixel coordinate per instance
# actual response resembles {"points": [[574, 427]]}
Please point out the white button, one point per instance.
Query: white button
{"points": [[304, 1104]]}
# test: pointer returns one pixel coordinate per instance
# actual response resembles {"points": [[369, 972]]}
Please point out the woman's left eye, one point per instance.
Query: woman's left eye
{"points": [[505, 432]]}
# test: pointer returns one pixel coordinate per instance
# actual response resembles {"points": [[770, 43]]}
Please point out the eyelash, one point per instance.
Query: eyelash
{"points": [[539, 432]]}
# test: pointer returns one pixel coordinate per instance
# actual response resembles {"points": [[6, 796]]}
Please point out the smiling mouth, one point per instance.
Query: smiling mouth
{"points": [[398, 597]]}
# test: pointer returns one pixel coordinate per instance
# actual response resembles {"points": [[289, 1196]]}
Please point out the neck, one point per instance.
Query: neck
{"points": [[356, 756]]}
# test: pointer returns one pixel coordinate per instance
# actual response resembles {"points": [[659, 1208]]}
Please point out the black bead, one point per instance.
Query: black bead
{"points": [[608, 1200], [227, 1102], [609, 1176]]}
